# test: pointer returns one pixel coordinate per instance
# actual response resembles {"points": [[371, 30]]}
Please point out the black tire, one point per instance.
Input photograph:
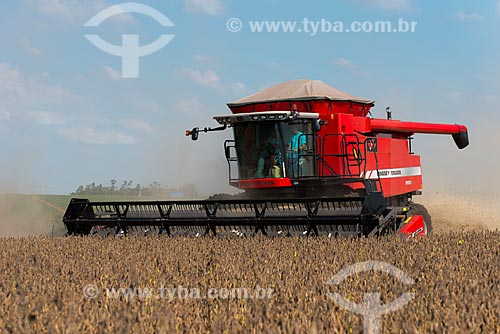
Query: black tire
{"points": [[419, 209]]}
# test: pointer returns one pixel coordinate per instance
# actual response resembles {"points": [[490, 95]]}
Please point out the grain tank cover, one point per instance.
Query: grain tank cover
{"points": [[299, 90], [311, 96]]}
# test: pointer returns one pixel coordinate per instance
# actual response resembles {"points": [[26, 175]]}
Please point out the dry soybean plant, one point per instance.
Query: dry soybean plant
{"points": [[240, 285]]}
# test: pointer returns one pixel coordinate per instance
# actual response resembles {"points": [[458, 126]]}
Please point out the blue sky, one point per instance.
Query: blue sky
{"points": [[68, 118]]}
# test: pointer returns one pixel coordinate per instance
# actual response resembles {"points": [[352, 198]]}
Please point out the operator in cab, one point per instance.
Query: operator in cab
{"points": [[271, 152], [296, 144]]}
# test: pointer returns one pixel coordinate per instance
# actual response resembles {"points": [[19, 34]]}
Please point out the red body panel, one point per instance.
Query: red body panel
{"points": [[323, 107], [383, 125], [344, 124], [400, 171], [413, 227], [264, 183]]}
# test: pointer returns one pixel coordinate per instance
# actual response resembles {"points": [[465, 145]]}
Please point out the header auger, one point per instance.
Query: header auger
{"points": [[310, 162]]}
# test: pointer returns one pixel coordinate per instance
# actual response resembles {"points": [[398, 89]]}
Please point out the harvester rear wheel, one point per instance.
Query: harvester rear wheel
{"points": [[419, 209]]}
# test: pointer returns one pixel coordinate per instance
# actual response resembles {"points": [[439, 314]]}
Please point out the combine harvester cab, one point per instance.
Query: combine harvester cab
{"points": [[310, 162]]}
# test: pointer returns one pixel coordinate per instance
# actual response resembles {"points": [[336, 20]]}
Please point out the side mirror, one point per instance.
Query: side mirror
{"points": [[193, 133], [316, 125]]}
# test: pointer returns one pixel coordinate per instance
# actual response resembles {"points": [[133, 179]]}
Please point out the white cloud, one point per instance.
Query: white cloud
{"points": [[79, 77], [280, 68], [111, 73], [11, 81], [137, 125], [237, 87], [453, 96], [469, 16], [46, 117], [57, 8], [344, 63], [209, 7], [75, 10], [89, 135], [26, 44], [4, 114], [19, 92], [391, 4], [202, 59], [189, 105], [31, 98], [207, 78], [55, 94]]}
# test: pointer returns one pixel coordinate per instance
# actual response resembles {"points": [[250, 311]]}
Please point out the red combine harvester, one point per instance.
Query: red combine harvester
{"points": [[310, 162]]}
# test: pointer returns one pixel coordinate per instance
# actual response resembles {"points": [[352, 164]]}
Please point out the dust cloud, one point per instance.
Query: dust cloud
{"points": [[24, 215], [461, 212], [201, 163], [460, 187]]}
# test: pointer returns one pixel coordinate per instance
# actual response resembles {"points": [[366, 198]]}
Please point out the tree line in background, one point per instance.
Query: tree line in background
{"points": [[127, 188]]}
